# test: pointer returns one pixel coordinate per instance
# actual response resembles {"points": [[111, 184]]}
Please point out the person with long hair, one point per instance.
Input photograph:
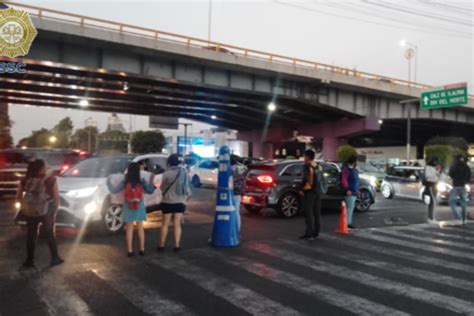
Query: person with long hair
{"points": [[133, 209], [176, 191], [431, 178], [38, 197]]}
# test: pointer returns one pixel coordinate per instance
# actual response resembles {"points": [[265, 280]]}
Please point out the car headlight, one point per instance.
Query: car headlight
{"points": [[442, 187], [17, 205], [81, 193], [90, 208], [468, 188], [373, 181]]}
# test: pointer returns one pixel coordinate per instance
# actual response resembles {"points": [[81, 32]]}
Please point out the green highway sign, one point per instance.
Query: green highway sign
{"points": [[447, 96]]}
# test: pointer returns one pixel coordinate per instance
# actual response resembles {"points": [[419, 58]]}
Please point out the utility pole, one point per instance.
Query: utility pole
{"points": [[408, 104], [209, 21], [409, 54], [185, 137]]}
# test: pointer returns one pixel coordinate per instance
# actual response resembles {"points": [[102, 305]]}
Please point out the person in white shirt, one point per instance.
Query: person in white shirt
{"points": [[432, 174]]}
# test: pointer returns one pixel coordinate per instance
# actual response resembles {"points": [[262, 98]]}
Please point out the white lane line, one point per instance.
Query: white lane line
{"points": [[433, 240], [59, 297], [143, 297], [416, 293], [414, 245], [435, 234], [366, 245], [349, 302], [240, 296], [369, 262]]}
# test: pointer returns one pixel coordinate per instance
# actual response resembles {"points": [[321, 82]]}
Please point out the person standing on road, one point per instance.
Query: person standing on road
{"points": [[350, 183], [239, 186], [431, 177], [133, 209], [313, 187], [461, 175], [176, 192], [38, 196]]}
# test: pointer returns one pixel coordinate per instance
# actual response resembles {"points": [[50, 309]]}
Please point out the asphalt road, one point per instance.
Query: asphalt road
{"points": [[394, 264]]}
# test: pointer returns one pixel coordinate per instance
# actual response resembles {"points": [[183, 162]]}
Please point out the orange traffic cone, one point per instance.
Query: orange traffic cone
{"points": [[343, 220]]}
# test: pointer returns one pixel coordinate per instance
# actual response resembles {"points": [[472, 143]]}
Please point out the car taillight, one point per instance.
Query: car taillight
{"points": [[64, 168], [265, 179]]}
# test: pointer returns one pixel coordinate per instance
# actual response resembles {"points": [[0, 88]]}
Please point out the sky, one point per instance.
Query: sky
{"points": [[361, 34]]}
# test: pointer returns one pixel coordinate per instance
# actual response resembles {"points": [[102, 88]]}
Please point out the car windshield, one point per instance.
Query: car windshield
{"points": [[365, 167], [98, 167]]}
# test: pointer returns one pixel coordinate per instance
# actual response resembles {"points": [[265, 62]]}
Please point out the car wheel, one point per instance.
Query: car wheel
{"points": [[364, 201], [112, 221], [253, 209], [387, 191], [196, 181], [289, 205]]}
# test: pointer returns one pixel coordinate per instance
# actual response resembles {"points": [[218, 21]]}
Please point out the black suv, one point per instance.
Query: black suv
{"points": [[275, 185]]}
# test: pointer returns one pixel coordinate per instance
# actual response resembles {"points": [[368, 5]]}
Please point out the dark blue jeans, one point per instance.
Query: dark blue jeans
{"points": [[48, 222]]}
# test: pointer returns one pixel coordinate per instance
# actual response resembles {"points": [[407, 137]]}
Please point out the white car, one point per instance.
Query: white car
{"points": [[86, 198], [205, 173]]}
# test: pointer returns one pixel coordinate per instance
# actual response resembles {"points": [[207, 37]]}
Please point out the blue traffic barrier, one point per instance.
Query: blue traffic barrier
{"points": [[225, 232]]}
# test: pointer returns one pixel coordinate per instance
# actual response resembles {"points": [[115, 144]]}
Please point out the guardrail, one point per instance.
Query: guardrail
{"points": [[43, 13]]}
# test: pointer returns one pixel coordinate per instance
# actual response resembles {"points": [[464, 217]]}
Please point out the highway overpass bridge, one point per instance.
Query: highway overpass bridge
{"points": [[127, 69]]}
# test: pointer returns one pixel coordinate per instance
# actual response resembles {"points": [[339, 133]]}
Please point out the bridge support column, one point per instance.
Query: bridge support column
{"points": [[5, 137], [330, 145]]}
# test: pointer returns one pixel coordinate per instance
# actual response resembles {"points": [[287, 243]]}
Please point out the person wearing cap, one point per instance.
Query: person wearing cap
{"points": [[461, 175], [432, 174]]}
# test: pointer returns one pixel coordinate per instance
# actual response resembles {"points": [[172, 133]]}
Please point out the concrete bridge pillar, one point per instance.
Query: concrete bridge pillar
{"points": [[331, 133]]}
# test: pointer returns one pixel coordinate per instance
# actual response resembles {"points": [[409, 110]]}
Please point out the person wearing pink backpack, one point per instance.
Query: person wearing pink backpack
{"points": [[133, 210]]}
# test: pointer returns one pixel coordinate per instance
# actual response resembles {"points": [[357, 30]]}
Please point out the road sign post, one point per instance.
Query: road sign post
{"points": [[443, 97]]}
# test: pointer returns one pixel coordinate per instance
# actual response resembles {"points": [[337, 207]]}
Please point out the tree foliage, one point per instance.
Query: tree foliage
{"points": [[445, 153], [344, 152], [63, 132], [113, 142], [38, 139], [81, 137], [456, 142], [148, 142]]}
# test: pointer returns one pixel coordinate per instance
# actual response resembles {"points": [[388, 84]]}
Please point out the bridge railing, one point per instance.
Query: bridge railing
{"points": [[122, 28]]}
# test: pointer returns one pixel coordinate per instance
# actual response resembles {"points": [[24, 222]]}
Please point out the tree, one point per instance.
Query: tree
{"points": [[80, 139], [344, 152], [457, 142], [113, 142], [38, 139], [63, 132], [6, 140], [148, 142]]}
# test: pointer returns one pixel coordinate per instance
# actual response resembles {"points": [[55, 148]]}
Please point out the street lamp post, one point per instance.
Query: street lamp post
{"points": [[185, 137], [209, 21], [410, 53]]}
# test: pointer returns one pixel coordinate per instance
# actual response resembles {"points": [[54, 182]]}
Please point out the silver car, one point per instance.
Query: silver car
{"points": [[84, 193], [406, 182]]}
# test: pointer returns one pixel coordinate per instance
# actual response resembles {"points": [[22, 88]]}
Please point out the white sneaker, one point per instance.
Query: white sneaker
{"points": [[432, 221]]}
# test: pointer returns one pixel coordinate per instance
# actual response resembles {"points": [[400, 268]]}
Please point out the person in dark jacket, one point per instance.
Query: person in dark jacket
{"points": [[461, 175], [313, 187], [350, 183], [238, 186]]}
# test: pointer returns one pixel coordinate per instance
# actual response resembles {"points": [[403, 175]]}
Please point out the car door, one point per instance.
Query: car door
{"points": [[395, 177], [411, 184], [203, 171], [213, 172], [332, 176], [291, 177]]}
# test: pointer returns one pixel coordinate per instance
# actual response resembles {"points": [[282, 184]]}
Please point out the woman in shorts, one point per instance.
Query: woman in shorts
{"points": [[176, 191]]}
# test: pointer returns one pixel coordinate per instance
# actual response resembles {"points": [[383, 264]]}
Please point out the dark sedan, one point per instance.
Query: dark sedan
{"points": [[275, 185]]}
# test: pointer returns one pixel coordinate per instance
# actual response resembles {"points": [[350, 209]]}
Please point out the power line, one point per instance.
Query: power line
{"points": [[374, 13], [405, 10], [458, 34]]}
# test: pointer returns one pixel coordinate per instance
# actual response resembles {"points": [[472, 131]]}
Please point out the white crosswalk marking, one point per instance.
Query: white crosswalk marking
{"points": [[139, 294], [440, 234], [60, 298], [424, 295], [370, 262], [238, 295], [439, 241], [351, 303], [402, 254], [415, 245]]}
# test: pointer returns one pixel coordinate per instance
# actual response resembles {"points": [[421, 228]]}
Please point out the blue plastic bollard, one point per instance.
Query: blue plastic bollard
{"points": [[226, 231]]}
